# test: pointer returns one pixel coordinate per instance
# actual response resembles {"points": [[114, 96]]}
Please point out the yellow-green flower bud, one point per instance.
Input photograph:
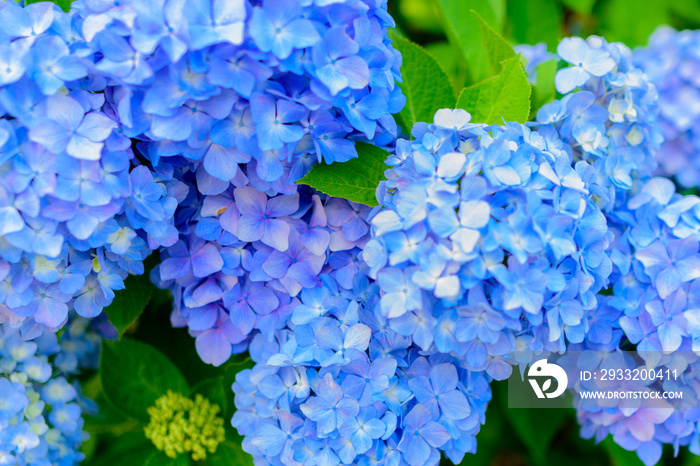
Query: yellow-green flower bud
{"points": [[180, 424]]}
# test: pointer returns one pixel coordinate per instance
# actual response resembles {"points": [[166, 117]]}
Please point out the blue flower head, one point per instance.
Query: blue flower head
{"points": [[490, 228], [230, 103]]}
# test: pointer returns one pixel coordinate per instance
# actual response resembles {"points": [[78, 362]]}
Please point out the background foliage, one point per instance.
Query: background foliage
{"points": [[457, 53]]}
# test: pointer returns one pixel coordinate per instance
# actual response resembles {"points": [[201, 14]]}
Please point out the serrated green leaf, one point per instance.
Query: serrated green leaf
{"points": [[129, 303], [497, 48], [580, 6], [425, 84], [463, 30], [134, 375], [544, 91], [536, 21], [355, 180], [505, 97]]}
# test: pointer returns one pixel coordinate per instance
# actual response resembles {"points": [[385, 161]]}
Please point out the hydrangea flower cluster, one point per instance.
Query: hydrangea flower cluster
{"points": [[340, 386], [230, 289], [671, 63], [40, 404], [238, 113], [489, 241], [608, 115], [74, 219]]}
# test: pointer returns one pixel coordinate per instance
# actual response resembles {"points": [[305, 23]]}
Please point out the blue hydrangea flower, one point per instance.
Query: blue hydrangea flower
{"points": [[483, 241]]}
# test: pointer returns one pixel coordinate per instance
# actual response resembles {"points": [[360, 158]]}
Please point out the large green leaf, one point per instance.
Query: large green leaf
{"points": [[134, 375], [536, 21], [505, 97], [129, 303], [355, 180], [425, 84], [464, 31], [496, 47]]}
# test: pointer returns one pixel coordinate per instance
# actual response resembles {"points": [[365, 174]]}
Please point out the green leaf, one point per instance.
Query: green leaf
{"points": [[580, 6], [496, 47], [130, 302], [230, 453], [544, 91], [464, 31], [355, 180], [425, 84], [134, 375], [536, 21], [502, 97]]}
